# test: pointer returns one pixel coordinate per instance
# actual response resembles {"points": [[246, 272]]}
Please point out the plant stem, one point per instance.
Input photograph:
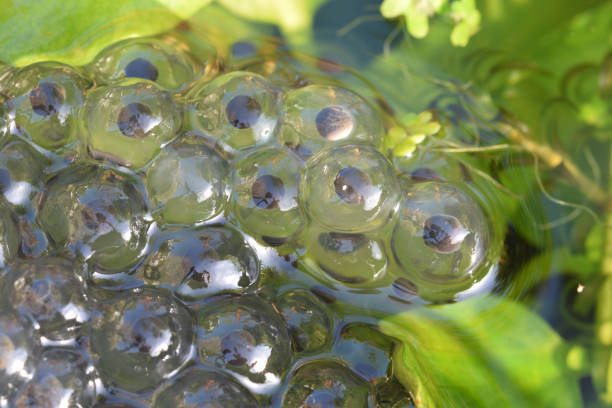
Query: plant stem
{"points": [[604, 304], [555, 159]]}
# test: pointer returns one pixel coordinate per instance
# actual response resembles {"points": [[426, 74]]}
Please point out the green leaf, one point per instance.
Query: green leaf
{"points": [[482, 352], [74, 31], [290, 15]]}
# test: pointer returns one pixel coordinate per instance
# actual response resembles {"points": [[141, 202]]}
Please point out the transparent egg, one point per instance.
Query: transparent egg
{"points": [[350, 258], [97, 212], [203, 262], [366, 350], [188, 182], [19, 352], [44, 100], [238, 110], [140, 338], [431, 166], [442, 236], [61, 380], [316, 116], [49, 292], [322, 383], [246, 336], [350, 188], [198, 388], [153, 59], [265, 199], [308, 320], [129, 122], [21, 173], [9, 235]]}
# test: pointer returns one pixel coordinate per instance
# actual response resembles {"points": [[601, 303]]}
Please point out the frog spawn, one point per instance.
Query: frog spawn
{"points": [[260, 155]]}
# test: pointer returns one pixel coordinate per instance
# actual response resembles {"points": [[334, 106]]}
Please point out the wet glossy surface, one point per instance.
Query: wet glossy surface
{"points": [[44, 102], [350, 188], [128, 123], [265, 199], [48, 291], [238, 110], [197, 388], [140, 338], [188, 182], [97, 212], [202, 262], [247, 337]]}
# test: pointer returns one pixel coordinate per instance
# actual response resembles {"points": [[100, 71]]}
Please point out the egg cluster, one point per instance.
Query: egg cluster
{"points": [[138, 194]]}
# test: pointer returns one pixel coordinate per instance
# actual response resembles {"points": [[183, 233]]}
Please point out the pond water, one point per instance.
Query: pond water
{"points": [[218, 218]]}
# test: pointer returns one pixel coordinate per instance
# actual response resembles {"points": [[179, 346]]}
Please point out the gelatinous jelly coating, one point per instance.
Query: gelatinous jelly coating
{"points": [[129, 122], [172, 67], [22, 171], [44, 100], [96, 211], [140, 338], [61, 379], [203, 388], [9, 235], [188, 182], [326, 383], [353, 259], [431, 166], [265, 200], [48, 291], [239, 110], [366, 350], [246, 336], [349, 188], [20, 351], [307, 318], [442, 235], [316, 116], [202, 262]]}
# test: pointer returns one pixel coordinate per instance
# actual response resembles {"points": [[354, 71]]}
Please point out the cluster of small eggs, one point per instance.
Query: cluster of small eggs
{"points": [[136, 192]]}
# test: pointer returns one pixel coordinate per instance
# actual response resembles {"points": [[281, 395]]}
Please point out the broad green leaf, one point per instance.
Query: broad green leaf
{"points": [[482, 352], [73, 31], [290, 15]]}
